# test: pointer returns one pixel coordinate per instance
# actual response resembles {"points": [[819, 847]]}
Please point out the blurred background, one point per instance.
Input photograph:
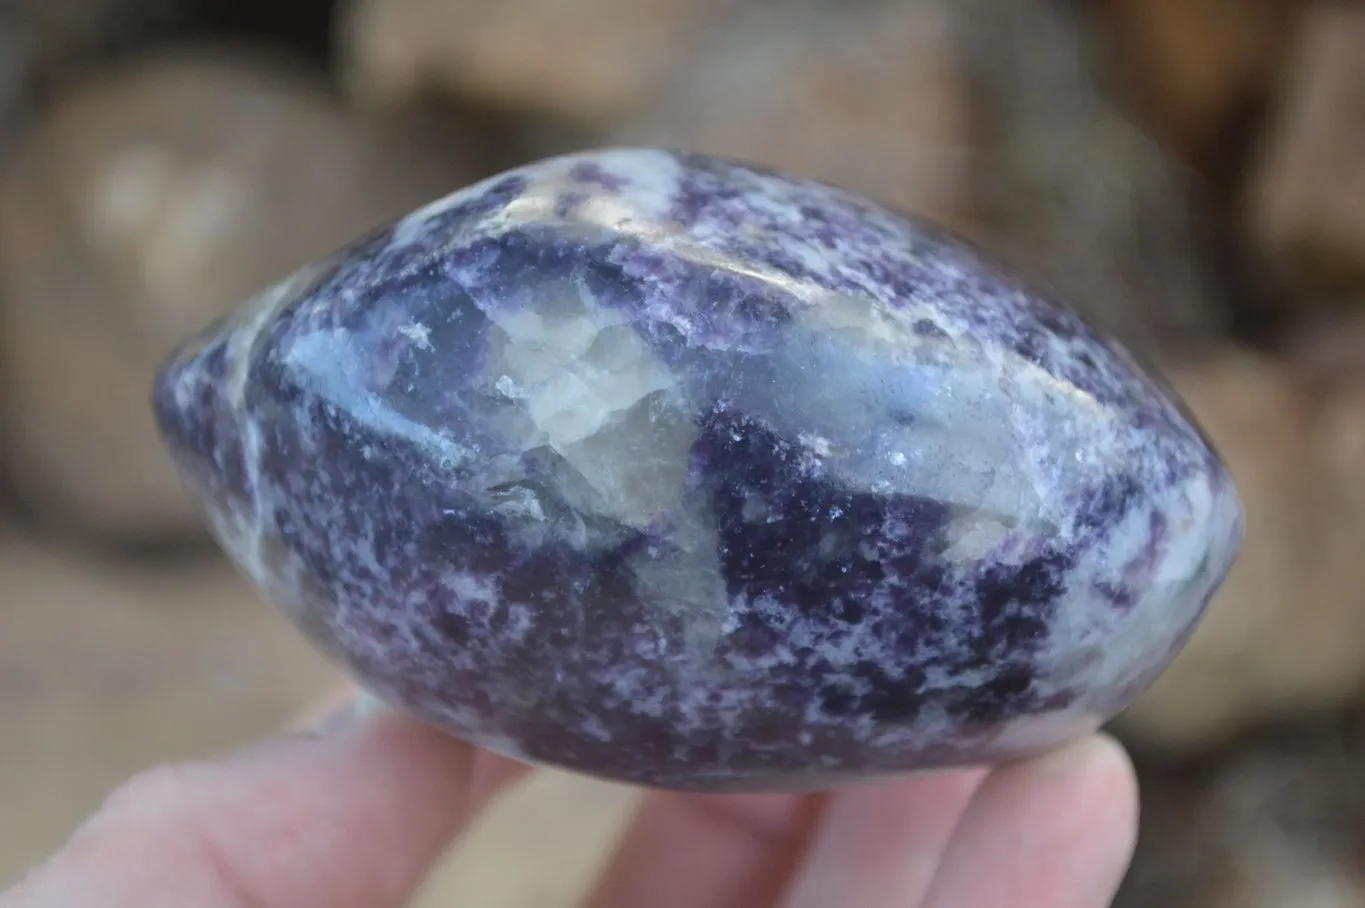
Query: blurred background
{"points": [[1190, 172]]}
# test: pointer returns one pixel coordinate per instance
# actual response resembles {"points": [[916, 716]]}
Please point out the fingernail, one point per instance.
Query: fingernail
{"points": [[359, 707], [367, 704], [1096, 749]]}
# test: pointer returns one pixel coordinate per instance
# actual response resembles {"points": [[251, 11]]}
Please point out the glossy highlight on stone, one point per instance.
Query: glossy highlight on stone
{"points": [[673, 470]]}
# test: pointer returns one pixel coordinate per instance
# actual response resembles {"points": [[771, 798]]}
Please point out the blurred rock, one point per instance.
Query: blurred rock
{"points": [[1277, 823], [54, 32], [1307, 192], [1071, 190], [868, 95], [991, 119], [871, 96], [147, 202], [38, 38], [1196, 68], [1282, 637], [580, 60], [109, 668]]}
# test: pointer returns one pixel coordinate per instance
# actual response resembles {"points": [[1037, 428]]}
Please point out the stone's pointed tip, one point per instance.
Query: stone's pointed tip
{"points": [[167, 410], [182, 393], [670, 470], [198, 425]]}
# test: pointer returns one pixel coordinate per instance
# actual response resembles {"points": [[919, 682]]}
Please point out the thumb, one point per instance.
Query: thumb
{"points": [[350, 815]]}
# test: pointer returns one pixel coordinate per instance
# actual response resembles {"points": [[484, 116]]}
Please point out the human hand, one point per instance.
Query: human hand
{"points": [[355, 814]]}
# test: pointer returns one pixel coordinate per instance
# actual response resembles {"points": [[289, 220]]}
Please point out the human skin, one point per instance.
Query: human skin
{"points": [[354, 812]]}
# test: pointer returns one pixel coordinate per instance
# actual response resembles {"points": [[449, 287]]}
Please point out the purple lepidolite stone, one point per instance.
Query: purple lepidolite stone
{"points": [[667, 469]]}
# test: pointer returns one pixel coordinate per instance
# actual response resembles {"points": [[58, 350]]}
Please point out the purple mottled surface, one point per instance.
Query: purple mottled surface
{"points": [[669, 470]]}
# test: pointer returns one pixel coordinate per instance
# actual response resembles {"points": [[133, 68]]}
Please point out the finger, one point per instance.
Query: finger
{"points": [[352, 817], [1054, 832], [343, 704], [720, 851], [881, 844]]}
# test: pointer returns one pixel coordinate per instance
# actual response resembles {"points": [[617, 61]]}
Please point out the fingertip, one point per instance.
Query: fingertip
{"points": [[1100, 773], [1098, 759], [880, 844], [1099, 753], [1096, 784], [1058, 830]]}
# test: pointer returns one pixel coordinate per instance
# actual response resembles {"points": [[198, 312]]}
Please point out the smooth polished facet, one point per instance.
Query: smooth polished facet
{"points": [[666, 469]]}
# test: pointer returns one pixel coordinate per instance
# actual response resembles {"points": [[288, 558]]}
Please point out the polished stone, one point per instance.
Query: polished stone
{"points": [[667, 469]]}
